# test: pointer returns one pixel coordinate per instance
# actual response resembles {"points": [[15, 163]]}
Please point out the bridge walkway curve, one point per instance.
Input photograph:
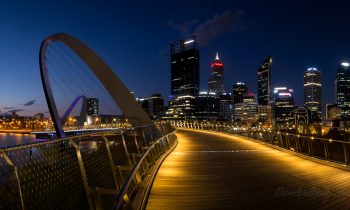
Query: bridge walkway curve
{"points": [[219, 171]]}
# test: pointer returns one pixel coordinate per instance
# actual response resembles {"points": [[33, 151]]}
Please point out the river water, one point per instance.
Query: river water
{"points": [[13, 139]]}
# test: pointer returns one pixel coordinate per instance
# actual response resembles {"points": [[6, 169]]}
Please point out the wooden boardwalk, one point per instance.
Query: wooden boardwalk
{"points": [[217, 171]]}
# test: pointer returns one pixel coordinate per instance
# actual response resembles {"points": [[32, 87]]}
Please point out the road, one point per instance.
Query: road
{"points": [[218, 171]]}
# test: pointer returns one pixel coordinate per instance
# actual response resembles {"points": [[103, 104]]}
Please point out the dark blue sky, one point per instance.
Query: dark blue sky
{"points": [[133, 37]]}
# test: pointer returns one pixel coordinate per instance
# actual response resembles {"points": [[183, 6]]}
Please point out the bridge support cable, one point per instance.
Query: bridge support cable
{"points": [[76, 76], [74, 69]]}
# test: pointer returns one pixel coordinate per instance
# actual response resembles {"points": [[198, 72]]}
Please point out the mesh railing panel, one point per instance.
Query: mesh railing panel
{"points": [[9, 192], [53, 175], [50, 176], [96, 162], [130, 141], [336, 151], [117, 150]]}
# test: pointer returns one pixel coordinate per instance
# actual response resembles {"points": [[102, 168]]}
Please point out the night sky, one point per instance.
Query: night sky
{"points": [[133, 38]]}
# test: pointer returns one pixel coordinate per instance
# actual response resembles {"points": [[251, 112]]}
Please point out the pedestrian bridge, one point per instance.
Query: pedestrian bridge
{"points": [[211, 170], [150, 165]]}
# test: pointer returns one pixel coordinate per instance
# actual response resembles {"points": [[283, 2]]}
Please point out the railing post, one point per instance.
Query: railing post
{"points": [[346, 153], [83, 174], [15, 173], [125, 148], [167, 141], [279, 139], [287, 141], [309, 143], [297, 143], [117, 185], [144, 137], [326, 150], [136, 143], [150, 128]]}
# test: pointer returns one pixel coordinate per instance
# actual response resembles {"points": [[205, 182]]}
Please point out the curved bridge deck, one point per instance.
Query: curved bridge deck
{"points": [[218, 171]]}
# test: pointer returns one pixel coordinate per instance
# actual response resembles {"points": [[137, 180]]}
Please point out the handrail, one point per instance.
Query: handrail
{"points": [[299, 136], [333, 150], [121, 195]]}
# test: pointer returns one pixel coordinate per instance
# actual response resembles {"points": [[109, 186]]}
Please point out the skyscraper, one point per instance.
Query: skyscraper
{"points": [[264, 82], [184, 78], [156, 105], [284, 105], [239, 90], [342, 85], [184, 67], [312, 93], [225, 107], [92, 106], [207, 106], [246, 112], [216, 78]]}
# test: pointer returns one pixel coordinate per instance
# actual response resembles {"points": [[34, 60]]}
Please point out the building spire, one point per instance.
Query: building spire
{"points": [[217, 56]]}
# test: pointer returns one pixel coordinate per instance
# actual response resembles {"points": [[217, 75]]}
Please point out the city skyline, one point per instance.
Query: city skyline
{"points": [[118, 36]]}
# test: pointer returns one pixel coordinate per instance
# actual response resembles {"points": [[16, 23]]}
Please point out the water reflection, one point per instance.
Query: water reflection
{"points": [[13, 139]]}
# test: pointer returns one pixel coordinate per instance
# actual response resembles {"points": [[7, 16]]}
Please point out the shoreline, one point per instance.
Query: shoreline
{"points": [[16, 131]]}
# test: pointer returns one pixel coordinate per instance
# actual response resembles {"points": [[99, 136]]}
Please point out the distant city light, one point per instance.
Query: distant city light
{"points": [[284, 94], [345, 64], [189, 41], [312, 69], [216, 64], [280, 88], [217, 56]]}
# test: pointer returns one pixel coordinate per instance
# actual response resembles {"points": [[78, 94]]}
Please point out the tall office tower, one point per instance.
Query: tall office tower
{"points": [[284, 105], [264, 82], [92, 107], [184, 67], [144, 103], [184, 78], [265, 114], [247, 111], [342, 88], [239, 90], [207, 106], [216, 78], [156, 105], [225, 107], [312, 93]]}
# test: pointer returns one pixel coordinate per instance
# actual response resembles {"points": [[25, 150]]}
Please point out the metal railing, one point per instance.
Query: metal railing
{"points": [[327, 149], [137, 180], [80, 172]]}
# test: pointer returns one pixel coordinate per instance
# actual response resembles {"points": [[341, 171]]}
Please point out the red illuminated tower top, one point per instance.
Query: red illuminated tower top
{"points": [[216, 78], [217, 62]]}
